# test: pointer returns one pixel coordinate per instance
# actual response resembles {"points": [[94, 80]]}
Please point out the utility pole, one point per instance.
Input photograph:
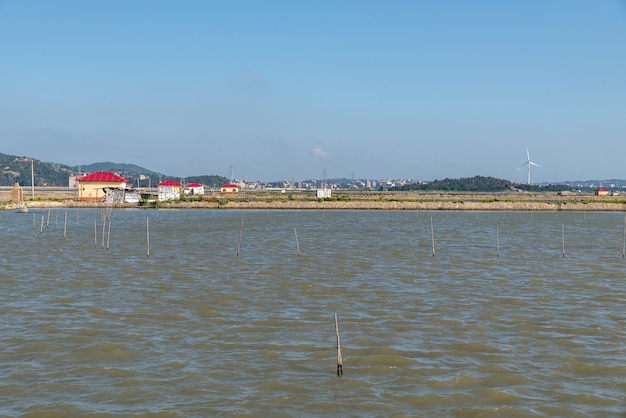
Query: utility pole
{"points": [[32, 178]]}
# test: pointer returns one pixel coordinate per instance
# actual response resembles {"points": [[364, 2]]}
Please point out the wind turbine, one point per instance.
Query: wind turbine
{"points": [[528, 163]]}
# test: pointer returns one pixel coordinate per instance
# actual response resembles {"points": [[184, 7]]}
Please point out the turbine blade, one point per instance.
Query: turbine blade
{"points": [[535, 164]]}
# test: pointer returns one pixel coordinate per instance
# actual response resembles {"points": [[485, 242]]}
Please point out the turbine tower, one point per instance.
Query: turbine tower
{"points": [[528, 163]]}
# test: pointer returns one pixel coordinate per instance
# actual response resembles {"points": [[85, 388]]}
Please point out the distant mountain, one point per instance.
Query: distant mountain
{"points": [[115, 167], [137, 176], [141, 177], [18, 169]]}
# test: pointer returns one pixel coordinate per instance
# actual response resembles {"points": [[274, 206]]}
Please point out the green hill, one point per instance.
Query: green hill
{"points": [[18, 169], [480, 184]]}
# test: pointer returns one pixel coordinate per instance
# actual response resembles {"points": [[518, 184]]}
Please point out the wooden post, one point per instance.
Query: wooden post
{"points": [[109, 234], [104, 223], [95, 234], [432, 235], [240, 233], [147, 236], [497, 243], [563, 239], [339, 359], [297, 244], [65, 226], [624, 239]]}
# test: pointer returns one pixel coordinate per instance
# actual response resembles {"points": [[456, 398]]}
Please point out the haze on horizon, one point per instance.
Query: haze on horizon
{"points": [[292, 90]]}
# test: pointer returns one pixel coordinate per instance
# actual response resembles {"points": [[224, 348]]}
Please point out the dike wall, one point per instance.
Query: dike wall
{"points": [[459, 204]]}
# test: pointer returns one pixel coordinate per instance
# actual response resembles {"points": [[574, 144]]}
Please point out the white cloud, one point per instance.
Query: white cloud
{"points": [[321, 153]]}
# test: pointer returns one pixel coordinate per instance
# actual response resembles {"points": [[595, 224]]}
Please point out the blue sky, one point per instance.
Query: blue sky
{"points": [[272, 90]]}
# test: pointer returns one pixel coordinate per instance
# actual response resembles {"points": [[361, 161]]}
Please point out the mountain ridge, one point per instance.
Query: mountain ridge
{"points": [[18, 169]]}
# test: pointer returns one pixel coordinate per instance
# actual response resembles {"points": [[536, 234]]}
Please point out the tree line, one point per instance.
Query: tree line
{"points": [[479, 184]]}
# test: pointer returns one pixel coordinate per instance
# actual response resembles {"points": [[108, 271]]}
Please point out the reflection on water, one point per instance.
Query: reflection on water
{"points": [[516, 314]]}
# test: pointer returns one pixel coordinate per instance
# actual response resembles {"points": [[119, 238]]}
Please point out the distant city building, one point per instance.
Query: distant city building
{"points": [[72, 183], [323, 193]]}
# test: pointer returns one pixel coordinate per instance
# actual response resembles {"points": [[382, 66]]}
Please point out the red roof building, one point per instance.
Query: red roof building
{"points": [[93, 186], [169, 190], [194, 189], [229, 188], [102, 177], [169, 183]]}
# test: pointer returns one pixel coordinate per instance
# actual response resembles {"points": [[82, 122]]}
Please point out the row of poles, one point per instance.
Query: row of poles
{"points": [[432, 237], [105, 217]]}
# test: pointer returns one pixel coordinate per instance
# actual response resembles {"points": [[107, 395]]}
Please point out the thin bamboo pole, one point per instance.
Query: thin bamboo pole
{"points": [[65, 226], [563, 239], [339, 359], [147, 236], [624, 239], [297, 244], [497, 243], [109, 234], [41, 228], [95, 234], [240, 233], [48, 221], [104, 223], [432, 235]]}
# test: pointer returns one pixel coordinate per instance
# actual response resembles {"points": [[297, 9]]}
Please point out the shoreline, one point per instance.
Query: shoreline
{"points": [[352, 201]]}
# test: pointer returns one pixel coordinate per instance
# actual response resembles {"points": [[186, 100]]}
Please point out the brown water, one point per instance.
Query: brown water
{"points": [[197, 330]]}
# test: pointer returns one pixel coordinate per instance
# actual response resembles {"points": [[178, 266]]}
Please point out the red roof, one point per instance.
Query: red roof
{"points": [[169, 183], [194, 185], [102, 177], [229, 185]]}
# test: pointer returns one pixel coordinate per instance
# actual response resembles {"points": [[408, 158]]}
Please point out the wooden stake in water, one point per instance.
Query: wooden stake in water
{"points": [[297, 244], [41, 228], [497, 243], [109, 234], [563, 239], [339, 359], [432, 235], [65, 226], [147, 236], [240, 233], [104, 223], [48, 221], [624, 239], [95, 233]]}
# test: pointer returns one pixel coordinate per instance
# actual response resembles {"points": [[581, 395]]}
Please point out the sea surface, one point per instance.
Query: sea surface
{"points": [[230, 313]]}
